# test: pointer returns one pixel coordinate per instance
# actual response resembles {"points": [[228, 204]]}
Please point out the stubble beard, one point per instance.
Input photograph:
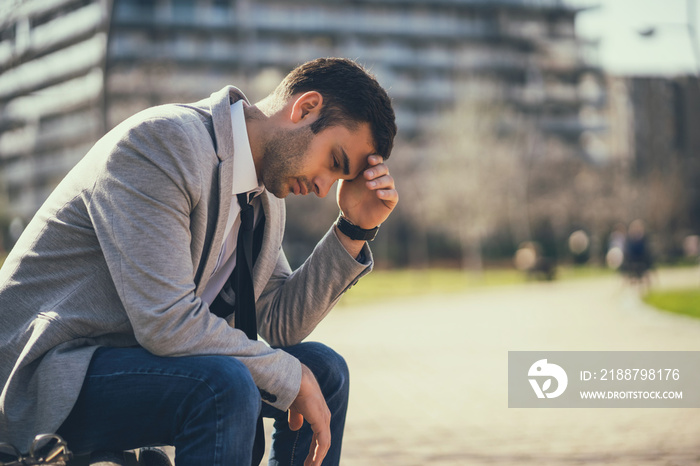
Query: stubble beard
{"points": [[283, 159]]}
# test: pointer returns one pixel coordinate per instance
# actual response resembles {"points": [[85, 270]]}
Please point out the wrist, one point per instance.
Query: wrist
{"points": [[353, 247], [354, 232]]}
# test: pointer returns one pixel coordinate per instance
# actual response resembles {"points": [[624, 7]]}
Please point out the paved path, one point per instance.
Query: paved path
{"points": [[429, 377]]}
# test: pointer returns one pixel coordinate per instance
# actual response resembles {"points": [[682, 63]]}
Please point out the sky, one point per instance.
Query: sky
{"points": [[623, 51]]}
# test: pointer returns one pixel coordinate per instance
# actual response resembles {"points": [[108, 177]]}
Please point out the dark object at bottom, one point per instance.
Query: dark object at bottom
{"points": [[46, 450], [148, 456], [113, 458], [153, 456]]}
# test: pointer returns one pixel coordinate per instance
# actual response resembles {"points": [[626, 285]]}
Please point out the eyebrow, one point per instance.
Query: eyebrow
{"points": [[346, 162]]}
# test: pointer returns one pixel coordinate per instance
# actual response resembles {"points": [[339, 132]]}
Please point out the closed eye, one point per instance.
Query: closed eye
{"points": [[341, 160], [346, 162]]}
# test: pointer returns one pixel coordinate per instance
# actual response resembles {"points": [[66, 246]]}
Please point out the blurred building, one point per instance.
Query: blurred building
{"points": [[666, 115], [652, 131], [72, 69], [52, 57]]}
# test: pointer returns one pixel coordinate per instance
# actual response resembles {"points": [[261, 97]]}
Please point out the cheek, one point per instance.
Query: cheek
{"points": [[308, 163]]}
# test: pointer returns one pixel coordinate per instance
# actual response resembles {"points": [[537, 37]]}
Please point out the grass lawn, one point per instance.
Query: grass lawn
{"points": [[388, 284], [680, 301]]}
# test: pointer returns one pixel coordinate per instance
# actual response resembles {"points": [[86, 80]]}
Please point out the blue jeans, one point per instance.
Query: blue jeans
{"points": [[205, 406]]}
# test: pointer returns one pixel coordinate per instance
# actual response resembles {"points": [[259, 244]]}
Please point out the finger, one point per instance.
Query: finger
{"points": [[375, 159], [324, 444], [376, 171], [311, 457], [390, 196], [295, 420], [383, 182], [320, 444], [321, 441]]}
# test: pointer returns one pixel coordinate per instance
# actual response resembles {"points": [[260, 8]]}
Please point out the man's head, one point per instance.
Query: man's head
{"points": [[338, 115], [350, 95]]}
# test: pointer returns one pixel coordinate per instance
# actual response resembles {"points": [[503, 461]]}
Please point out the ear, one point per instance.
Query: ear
{"points": [[306, 105]]}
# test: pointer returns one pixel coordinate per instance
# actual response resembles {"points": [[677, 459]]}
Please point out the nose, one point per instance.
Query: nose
{"points": [[322, 185]]}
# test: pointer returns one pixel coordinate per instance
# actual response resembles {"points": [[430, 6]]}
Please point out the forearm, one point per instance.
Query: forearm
{"points": [[353, 247], [293, 303]]}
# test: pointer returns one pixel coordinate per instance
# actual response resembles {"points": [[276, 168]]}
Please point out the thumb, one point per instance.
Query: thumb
{"points": [[296, 420]]}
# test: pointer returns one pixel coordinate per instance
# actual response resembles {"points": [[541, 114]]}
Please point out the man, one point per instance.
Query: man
{"points": [[108, 333]]}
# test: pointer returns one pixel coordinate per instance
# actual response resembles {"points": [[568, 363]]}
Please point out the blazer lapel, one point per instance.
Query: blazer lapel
{"points": [[220, 108], [220, 105], [212, 255]]}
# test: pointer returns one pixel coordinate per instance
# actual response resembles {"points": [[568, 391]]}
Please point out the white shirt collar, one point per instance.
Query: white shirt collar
{"points": [[245, 179]]}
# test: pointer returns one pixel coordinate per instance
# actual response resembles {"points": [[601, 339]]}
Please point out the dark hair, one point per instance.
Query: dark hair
{"points": [[350, 96]]}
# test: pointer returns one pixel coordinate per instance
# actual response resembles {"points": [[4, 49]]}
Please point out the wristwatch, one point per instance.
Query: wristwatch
{"points": [[352, 231]]}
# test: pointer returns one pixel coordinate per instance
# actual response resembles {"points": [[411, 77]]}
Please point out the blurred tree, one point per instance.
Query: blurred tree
{"points": [[411, 224], [491, 170], [475, 178]]}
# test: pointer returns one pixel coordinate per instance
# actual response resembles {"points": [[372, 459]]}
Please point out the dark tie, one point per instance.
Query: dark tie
{"points": [[243, 273], [237, 294], [245, 298], [241, 281]]}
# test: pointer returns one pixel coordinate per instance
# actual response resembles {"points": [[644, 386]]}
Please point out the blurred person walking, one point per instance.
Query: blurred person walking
{"points": [[637, 257]]}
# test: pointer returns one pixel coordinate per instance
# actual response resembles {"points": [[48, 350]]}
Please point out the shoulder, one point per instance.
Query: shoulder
{"points": [[167, 132], [195, 122], [169, 143]]}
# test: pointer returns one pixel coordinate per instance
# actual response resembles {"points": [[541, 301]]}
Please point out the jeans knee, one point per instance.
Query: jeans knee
{"points": [[228, 383], [217, 417], [329, 367], [235, 381]]}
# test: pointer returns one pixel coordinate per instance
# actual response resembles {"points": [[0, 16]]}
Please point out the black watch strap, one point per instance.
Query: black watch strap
{"points": [[352, 231]]}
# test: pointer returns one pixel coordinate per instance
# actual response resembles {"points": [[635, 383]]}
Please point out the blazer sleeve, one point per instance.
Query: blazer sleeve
{"points": [[293, 303], [140, 206]]}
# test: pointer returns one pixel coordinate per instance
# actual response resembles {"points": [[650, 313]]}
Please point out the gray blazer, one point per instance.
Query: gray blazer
{"points": [[120, 254]]}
